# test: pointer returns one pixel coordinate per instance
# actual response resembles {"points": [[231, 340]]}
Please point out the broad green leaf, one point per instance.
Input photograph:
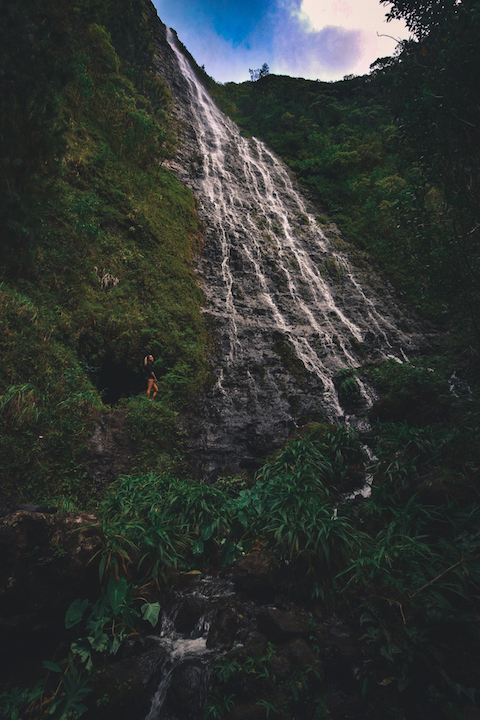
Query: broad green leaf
{"points": [[243, 519], [51, 666], [100, 642], [35, 691], [258, 505], [129, 615], [75, 612], [116, 592], [151, 612], [83, 649], [75, 689], [207, 531], [116, 644]]}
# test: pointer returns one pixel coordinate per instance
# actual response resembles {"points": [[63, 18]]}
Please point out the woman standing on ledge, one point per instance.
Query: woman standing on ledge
{"points": [[150, 376]]}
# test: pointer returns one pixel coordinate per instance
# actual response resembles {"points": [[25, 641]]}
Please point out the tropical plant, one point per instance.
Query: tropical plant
{"points": [[108, 623], [111, 619]]}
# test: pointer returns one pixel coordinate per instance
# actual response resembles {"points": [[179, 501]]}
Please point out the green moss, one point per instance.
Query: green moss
{"points": [[416, 392], [47, 403], [289, 359], [111, 206]]}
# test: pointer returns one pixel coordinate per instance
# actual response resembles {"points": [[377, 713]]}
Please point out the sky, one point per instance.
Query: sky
{"points": [[314, 39]]}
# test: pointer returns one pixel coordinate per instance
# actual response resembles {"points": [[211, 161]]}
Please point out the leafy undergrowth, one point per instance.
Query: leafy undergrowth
{"points": [[160, 523], [47, 405], [69, 679], [403, 565], [252, 675], [98, 238]]}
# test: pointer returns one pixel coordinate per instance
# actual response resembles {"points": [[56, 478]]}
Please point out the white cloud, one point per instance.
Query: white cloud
{"points": [[326, 54], [315, 39], [366, 18], [348, 14]]}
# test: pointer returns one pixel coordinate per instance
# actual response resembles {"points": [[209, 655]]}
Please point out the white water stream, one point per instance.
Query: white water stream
{"points": [[270, 272], [188, 659]]}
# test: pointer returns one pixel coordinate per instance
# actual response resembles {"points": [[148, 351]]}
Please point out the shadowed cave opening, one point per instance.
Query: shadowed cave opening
{"points": [[117, 379]]}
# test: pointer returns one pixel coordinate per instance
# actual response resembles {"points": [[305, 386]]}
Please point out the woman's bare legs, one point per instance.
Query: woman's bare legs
{"points": [[151, 384]]}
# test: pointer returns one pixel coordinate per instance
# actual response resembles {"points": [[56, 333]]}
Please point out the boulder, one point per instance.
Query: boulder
{"points": [[255, 577], [299, 653], [48, 560], [223, 629], [280, 626], [248, 711], [123, 689]]}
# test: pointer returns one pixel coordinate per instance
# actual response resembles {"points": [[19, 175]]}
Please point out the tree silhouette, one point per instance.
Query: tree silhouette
{"points": [[259, 72]]}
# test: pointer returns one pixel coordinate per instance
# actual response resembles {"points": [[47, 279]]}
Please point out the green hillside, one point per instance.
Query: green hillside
{"points": [[98, 241], [393, 157], [85, 128]]}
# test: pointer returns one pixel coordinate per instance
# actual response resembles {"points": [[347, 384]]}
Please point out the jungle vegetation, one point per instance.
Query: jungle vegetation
{"points": [[97, 237], [393, 159]]}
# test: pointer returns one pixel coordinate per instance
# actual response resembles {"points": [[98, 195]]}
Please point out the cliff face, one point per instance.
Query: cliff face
{"points": [[284, 306]]}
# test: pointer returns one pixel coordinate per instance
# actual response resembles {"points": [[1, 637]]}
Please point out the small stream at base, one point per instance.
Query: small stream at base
{"points": [[194, 634]]}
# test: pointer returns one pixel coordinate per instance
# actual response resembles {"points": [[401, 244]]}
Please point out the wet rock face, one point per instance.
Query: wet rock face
{"points": [[224, 629], [188, 615], [166, 676], [127, 683], [282, 625], [186, 694], [109, 451], [283, 306], [255, 576], [47, 560]]}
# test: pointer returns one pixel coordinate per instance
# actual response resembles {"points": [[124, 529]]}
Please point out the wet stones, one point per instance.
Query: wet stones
{"points": [[127, 684], [255, 576], [224, 629], [282, 625], [186, 693]]}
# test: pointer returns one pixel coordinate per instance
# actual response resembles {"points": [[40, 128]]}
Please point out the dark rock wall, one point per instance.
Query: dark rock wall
{"points": [[285, 309], [47, 561]]}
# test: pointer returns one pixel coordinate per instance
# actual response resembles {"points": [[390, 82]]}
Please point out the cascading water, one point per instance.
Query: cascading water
{"points": [[191, 638], [286, 309]]}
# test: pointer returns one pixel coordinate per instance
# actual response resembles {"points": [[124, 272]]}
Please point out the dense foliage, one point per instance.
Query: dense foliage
{"points": [[404, 564], [97, 238], [392, 157]]}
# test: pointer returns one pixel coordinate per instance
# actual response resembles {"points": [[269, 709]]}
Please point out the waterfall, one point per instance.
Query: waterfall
{"points": [[189, 639], [285, 307]]}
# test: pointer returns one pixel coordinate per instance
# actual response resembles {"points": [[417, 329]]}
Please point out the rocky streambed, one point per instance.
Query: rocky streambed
{"points": [[272, 647], [280, 646]]}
